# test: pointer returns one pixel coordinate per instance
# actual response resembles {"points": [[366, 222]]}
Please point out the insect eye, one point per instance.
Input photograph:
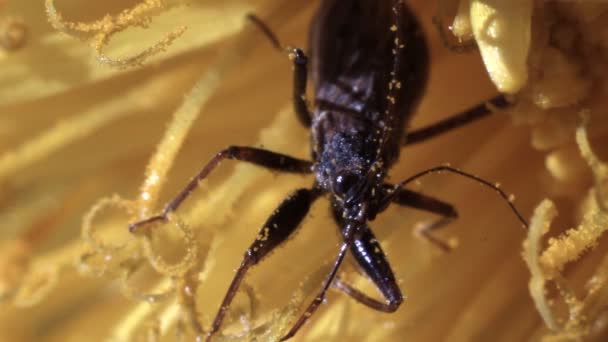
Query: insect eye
{"points": [[345, 182]]}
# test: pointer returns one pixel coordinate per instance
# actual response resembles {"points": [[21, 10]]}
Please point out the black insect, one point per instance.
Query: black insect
{"points": [[369, 69]]}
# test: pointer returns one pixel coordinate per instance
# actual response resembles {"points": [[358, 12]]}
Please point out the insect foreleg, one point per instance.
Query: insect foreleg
{"points": [[373, 262], [279, 226]]}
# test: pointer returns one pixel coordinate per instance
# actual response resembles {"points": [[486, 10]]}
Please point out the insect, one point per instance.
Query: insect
{"points": [[369, 68]]}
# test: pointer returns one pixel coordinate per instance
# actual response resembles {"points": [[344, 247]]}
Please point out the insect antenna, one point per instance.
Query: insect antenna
{"points": [[479, 180]]}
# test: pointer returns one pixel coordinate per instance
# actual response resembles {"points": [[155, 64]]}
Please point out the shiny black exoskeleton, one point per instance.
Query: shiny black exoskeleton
{"points": [[369, 68]]}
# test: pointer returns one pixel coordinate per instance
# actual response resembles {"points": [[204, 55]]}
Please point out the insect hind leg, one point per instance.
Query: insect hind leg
{"points": [[466, 117]]}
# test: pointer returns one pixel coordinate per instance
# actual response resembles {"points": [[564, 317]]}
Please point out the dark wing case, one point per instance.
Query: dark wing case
{"points": [[352, 48]]}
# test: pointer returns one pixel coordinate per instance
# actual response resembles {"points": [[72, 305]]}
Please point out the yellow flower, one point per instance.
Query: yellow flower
{"points": [[88, 144]]}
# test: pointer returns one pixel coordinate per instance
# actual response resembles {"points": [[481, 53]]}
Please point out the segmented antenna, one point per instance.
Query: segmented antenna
{"points": [[454, 170]]}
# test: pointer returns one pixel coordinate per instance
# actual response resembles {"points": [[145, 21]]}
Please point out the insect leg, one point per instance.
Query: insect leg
{"points": [[372, 260], [300, 78], [268, 159], [373, 263], [348, 234], [420, 201], [278, 227], [470, 115], [300, 71]]}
